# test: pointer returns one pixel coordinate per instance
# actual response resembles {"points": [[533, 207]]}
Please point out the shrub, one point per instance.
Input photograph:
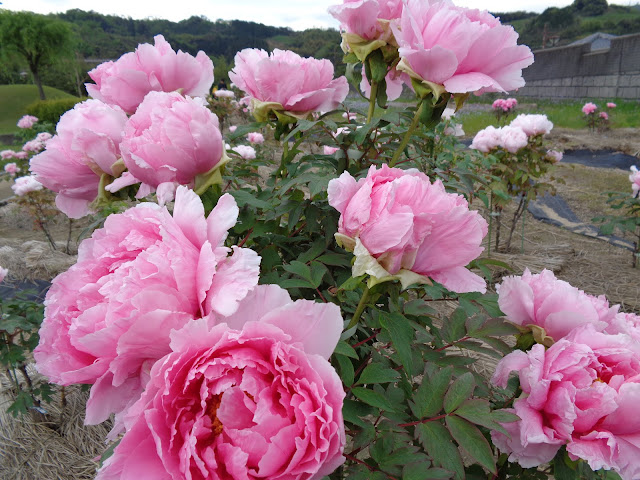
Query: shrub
{"points": [[52, 110]]}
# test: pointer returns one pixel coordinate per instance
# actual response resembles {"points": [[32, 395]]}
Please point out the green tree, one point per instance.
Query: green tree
{"points": [[37, 39]]}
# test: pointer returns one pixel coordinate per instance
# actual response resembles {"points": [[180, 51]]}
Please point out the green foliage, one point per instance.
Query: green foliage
{"points": [[20, 320], [51, 110], [627, 221], [36, 39]]}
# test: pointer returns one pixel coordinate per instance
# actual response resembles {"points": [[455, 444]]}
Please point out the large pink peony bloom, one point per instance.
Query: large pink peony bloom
{"points": [[533, 125], [513, 138], [285, 82], [400, 225], [172, 140], [582, 392], [255, 398], [459, 50], [108, 318], [158, 67], [553, 307], [85, 147]]}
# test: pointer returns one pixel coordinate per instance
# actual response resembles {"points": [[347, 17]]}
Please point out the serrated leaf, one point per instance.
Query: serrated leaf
{"points": [[478, 411], [429, 397], [454, 328], [298, 268], [472, 441], [440, 447], [459, 391], [316, 249], [373, 398], [415, 471], [377, 373], [353, 412]]}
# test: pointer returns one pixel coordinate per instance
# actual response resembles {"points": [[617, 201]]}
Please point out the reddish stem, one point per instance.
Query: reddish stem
{"points": [[452, 344], [244, 240], [426, 420]]}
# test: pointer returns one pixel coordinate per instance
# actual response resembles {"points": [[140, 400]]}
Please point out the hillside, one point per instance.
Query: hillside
{"points": [[14, 100], [571, 23]]}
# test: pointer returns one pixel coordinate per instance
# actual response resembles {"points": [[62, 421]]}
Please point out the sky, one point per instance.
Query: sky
{"points": [[296, 14]]}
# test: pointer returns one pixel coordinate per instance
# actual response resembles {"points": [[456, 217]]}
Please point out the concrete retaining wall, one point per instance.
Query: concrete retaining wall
{"points": [[577, 72]]}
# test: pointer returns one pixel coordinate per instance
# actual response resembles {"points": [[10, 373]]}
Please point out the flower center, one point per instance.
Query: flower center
{"points": [[212, 411]]}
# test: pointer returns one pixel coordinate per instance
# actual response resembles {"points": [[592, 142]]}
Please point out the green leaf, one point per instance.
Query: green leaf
{"points": [[316, 249], [335, 259], [298, 268], [478, 411], [415, 471], [429, 397], [343, 348], [472, 441], [454, 328], [377, 373], [108, 452], [418, 308], [459, 391], [347, 373], [245, 198], [21, 404], [318, 271], [294, 283], [402, 335], [373, 398], [440, 447], [495, 327]]}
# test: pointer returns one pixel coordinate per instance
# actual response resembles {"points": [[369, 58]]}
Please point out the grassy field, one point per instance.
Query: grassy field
{"points": [[563, 114], [15, 98]]}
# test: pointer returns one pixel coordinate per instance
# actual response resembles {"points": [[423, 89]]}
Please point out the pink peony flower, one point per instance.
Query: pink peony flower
{"points": [[634, 178], [285, 82], [33, 146], [533, 125], [327, 150], [233, 128], [454, 129], [3, 273], [11, 168], [487, 139], [44, 137], [513, 138], [400, 225], [459, 50], [554, 156], [611, 105], [21, 155], [27, 121], [172, 140], [367, 20], [146, 272], [582, 392], [553, 307], [253, 398], [589, 108], [245, 151], [7, 154], [85, 147], [158, 67], [26, 184], [604, 115], [255, 137]]}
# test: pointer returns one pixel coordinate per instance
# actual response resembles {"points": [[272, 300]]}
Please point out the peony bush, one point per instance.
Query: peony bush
{"points": [[244, 316]]}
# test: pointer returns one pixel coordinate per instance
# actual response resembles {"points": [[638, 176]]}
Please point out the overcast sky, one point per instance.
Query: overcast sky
{"points": [[297, 14]]}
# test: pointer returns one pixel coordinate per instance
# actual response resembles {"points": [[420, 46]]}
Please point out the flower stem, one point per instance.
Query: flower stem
{"points": [[407, 136], [360, 308], [372, 101]]}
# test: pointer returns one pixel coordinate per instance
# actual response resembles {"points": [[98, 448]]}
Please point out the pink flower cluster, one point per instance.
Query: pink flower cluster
{"points": [[255, 138], [505, 104], [554, 155], [634, 178], [9, 154], [514, 136], [27, 121], [11, 168], [245, 151], [209, 374], [283, 82], [399, 225], [170, 140], [26, 184], [3, 273], [589, 108], [580, 392], [37, 144], [604, 115], [483, 58], [611, 105]]}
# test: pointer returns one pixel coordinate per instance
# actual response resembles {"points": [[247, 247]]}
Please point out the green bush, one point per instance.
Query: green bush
{"points": [[52, 110]]}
